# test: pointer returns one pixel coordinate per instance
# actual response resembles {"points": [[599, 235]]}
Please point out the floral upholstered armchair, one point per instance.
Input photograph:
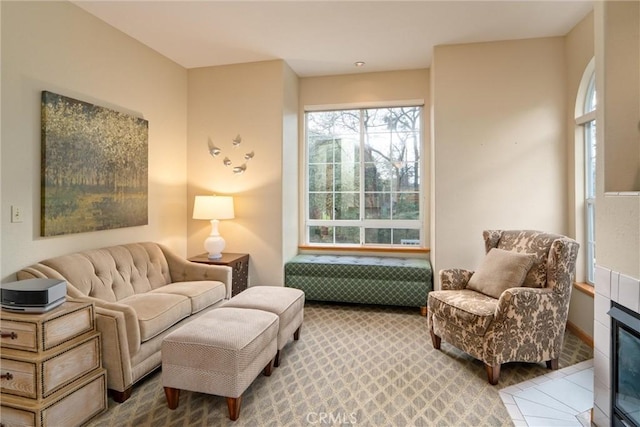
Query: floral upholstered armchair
{"points": [[514, 307]]}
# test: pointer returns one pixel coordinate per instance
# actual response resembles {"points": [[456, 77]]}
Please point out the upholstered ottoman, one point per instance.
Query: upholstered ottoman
{"points": [[287, 303], [219, 353]]}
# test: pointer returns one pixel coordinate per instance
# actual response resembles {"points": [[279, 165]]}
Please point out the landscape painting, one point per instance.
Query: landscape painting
{"points": [[94, 167]]}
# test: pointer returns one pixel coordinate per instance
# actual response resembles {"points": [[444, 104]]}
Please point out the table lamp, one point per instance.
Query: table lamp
{"points": [[213, 208]]}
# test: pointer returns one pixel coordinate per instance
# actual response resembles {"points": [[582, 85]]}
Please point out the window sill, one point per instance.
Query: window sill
{"points": [[585, 288], [621, 193], [412, 250]]}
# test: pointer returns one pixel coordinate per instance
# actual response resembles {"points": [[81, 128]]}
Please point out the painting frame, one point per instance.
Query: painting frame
{"points": [[94, 167]]}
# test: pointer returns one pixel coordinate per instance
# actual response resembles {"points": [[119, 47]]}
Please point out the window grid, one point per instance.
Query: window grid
{"points": [[589, 127], [387, 227]]}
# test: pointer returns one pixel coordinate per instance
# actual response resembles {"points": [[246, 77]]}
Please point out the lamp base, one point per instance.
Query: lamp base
{"points": [[214, 244]]}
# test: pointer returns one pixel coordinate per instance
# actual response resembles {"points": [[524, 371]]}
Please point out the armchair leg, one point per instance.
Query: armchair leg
{"points": [[553, 364], [435, 340], [493, 373]]}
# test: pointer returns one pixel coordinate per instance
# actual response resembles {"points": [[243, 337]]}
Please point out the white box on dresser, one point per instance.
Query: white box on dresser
{"points": [[51, 367]]}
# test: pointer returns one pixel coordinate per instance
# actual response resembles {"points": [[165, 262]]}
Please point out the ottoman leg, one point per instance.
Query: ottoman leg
{"points": [[233, 403], [173, 397], [269, 368], [276, 360], [296, 337]]}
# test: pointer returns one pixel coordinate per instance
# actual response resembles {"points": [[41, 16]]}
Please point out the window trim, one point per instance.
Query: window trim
{"points": [[420, 222], [583, 119], [315, 108]]}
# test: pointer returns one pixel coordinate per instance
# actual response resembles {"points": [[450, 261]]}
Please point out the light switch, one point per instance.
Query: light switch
{"points": [[16, 214]]}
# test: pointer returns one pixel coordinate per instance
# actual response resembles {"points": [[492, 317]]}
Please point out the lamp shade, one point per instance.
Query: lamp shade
{"points": [[213, 207]]}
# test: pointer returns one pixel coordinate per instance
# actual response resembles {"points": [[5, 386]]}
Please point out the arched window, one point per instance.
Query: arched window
{"points": [[588, 122]]}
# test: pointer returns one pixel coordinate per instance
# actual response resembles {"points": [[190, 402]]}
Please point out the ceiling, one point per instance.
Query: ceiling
{"points": [[326, 37]]}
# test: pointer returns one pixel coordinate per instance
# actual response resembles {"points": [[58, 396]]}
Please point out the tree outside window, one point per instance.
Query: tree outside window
{"points": [[364, 176]]}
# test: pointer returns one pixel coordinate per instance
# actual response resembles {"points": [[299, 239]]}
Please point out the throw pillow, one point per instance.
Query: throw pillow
{"points": [[500, 270]]}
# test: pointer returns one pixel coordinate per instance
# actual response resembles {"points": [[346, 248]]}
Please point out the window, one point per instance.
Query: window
{"points": [[364, 177], [588, 122]]}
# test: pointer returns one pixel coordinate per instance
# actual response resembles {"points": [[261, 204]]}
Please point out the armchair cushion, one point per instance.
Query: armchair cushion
{"points": [[499, 271], [467, 309]]}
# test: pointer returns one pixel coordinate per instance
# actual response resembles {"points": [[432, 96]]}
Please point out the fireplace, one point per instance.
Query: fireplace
{"points": [[625, 366]]}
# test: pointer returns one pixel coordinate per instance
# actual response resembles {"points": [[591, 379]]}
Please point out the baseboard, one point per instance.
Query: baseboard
{"points": [[584, 337]]}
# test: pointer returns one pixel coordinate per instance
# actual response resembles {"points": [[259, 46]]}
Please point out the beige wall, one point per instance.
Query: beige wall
{"points": [[254, 100], [499, 141], [579, 52], [363, 88], [368, 89], [621, 106], [617, 216], [58, 47], [1, 204], [290, 169]]}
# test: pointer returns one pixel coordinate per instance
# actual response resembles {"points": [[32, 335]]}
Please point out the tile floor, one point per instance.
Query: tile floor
{"points": [[559, 398]]}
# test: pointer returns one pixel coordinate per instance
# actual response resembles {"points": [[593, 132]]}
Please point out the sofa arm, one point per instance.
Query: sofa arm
{"points": [[116, 357], [182, 270], [129, 331], [127, 337], [454, 278]]}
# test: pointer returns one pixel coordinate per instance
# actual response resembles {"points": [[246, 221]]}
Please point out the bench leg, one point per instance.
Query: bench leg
{"points": [[423, 310], [233, 403], [173, 397], [296, 334]]}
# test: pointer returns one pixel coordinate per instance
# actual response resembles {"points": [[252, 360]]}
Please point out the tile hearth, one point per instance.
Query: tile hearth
{"points": [[559, 398]]}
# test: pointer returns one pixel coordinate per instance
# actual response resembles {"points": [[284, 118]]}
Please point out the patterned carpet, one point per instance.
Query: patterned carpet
{"points": [[353, 365]]}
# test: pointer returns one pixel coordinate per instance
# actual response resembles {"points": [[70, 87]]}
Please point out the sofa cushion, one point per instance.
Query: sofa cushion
{"points": [[467, 309], [499, 271], [201, 293], [157, 312]]}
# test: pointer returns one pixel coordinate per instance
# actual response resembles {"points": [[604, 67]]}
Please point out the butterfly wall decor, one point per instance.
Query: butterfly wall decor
{"points": [[215, 151]]}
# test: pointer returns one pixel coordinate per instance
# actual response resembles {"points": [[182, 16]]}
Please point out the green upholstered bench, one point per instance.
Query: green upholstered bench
{"points": [[361, 279]]}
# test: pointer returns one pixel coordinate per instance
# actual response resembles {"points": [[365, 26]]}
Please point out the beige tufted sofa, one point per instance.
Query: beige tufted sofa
{"points": [[141, 292]]}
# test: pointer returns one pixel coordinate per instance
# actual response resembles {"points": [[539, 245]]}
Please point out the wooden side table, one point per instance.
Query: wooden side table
{"points": [[238, 262]]}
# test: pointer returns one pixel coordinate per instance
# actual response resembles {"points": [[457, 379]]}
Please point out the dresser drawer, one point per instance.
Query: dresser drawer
{"points": [[41, 332], [73, 405], [19, 378], [19, 335], [37, 376]]}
